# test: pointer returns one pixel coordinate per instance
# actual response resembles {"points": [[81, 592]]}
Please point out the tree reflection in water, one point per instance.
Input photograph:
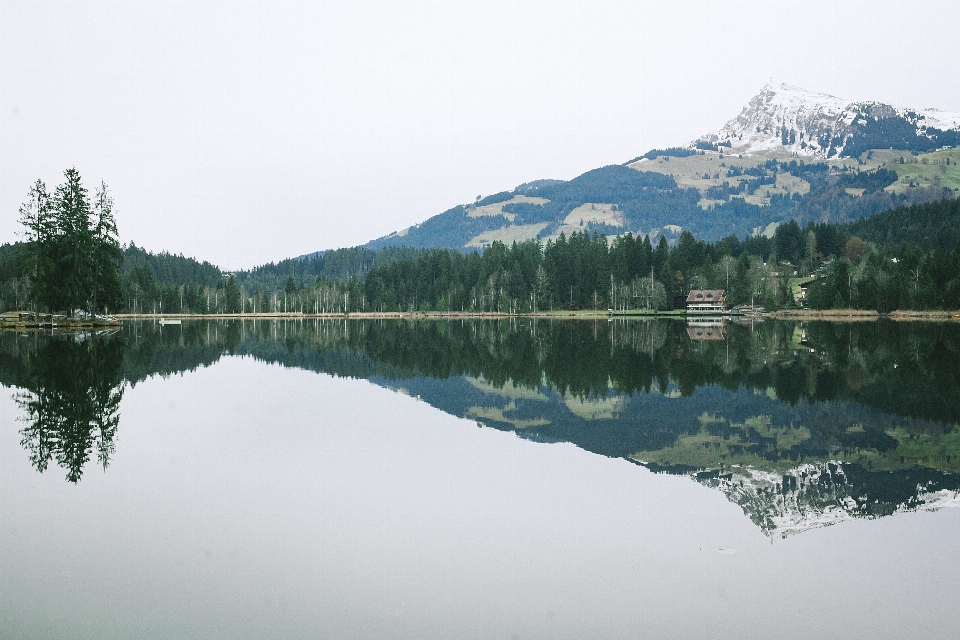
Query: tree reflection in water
{"points": [[801, 424], [70, 396]]}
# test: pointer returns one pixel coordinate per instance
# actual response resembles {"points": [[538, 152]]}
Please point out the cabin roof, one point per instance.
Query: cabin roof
{"points": [[707, 296]]}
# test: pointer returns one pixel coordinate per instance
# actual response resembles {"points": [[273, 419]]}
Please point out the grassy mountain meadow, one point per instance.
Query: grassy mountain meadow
{"points": [[708, 193]]}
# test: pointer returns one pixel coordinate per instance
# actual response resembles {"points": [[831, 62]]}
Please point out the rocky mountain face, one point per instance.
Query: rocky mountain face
{"points": [[785, 119]]}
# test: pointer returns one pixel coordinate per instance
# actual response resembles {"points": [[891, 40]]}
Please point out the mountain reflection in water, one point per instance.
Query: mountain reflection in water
{"points": [[801, 424]]}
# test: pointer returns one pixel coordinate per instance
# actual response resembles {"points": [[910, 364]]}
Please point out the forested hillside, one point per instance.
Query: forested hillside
{"points": [[916, 267], [928, 226], [154, 282], [334, 266], [731, 196], [904, 258]]}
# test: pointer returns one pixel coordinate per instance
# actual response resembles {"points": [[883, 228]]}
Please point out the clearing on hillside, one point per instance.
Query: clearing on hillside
{"points": [[496, 209], [507, 235]]}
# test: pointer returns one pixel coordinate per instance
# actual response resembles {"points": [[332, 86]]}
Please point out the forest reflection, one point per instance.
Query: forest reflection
{"points": [[789, 419], [70, 390]]}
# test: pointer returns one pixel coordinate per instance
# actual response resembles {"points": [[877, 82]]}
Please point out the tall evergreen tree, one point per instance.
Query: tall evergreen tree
{"points": [[232, 291], [37, 219], [74, 250], [106, 290], [70, 288]]}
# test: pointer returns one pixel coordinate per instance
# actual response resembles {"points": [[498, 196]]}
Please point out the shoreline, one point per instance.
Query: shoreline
{"points": [[838, 315], [829, 315]]}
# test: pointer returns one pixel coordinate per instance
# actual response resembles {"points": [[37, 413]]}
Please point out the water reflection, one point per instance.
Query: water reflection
{"points": [[802, 425], [70, 393]]}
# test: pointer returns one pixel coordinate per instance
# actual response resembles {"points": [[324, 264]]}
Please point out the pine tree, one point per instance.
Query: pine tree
{"points": [[232, 293], [75, 252], [70, 289], [36, 217], [106, 290]]}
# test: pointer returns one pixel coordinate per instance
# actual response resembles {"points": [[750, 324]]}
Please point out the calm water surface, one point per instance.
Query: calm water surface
{"points": [[359, 479]]}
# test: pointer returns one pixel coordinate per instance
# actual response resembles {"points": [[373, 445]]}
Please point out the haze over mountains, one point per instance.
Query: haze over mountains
{"points": [[789, 154]]}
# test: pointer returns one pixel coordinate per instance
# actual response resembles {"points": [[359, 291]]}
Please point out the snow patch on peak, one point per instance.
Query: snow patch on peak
{"points": [[943, 120], [812, 496], [792, 120]]}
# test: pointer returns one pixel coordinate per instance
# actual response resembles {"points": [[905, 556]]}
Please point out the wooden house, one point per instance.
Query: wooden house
{"points": [[707, 301]]}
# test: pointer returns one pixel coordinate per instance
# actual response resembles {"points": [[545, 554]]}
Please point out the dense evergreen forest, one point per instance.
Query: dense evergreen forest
{"points": [[904, 258], [168, 283]]}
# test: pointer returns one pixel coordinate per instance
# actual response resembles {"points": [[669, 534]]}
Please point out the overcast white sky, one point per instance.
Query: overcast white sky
{"points": [[243, 133]]}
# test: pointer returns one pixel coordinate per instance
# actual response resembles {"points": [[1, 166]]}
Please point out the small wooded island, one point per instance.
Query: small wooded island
{"points": [[69, 262]]}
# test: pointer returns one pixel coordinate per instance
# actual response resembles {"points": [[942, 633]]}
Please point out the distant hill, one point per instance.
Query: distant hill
{"points": [[739, 196], [790, 154]]}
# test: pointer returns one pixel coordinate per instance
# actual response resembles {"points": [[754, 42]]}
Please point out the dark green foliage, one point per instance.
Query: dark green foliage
{"points": [[832, 292], [231, 290], [106, 258], [869, 180], [495, 198], [167, 268], [71, 280], [672, 152], [614, 183], [175, 284], [71, 255], [327, 268], [928, 226], [528, 213], [11, 264], [70, 395], [534, 187], [788, 242], [584, 272], [945, 138], [830, 238], [760, 246], [163, 282], [450, 228], [891, 132]]}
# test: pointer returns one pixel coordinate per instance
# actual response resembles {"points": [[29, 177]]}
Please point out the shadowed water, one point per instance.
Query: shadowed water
{"points": [[206, 491]]}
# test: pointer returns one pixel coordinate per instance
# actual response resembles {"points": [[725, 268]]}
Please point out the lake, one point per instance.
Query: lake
{"points": [[510, 478]]}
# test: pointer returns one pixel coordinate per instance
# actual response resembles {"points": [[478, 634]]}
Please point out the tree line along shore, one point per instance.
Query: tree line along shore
{"points": [[9, 323], [70, 264]]}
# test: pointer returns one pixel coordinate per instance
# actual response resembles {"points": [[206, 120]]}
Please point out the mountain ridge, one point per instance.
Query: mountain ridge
{"points": [[806, 123], [789, 154]]}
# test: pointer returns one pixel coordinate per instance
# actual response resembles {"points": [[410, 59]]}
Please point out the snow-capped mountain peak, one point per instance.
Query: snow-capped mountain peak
{"points": [[786, 119]]}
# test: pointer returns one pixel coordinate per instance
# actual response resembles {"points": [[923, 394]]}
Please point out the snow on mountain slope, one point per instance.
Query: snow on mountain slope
{"points": [[818, 495], [791, 120]]}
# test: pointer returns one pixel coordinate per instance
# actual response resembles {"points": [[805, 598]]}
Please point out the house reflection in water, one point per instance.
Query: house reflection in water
{"points": [[707, 330]]}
